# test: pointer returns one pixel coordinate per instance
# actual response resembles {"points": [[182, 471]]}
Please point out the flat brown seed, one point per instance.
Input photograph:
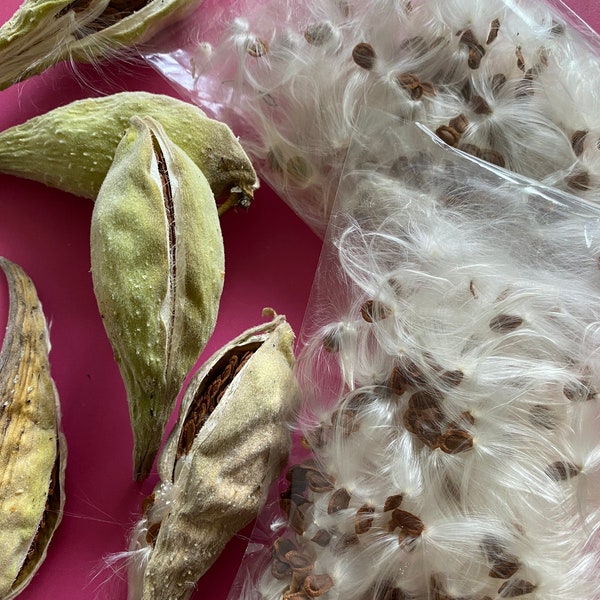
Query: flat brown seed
{"points": [[476, 53], [363, 519], [409, 524], [481, 106], [317, 584], [448, 134], [392, 502], [319, 482], [318, 34], [372, 311], [339, 500], [257, 47], [561, 470], [494, 29], [515, 588], [505, 323], [578, 140], [578, 391], [580, 180], [345, 542], [364, 56], [280, 569], [455, 441], [459, 123], [322, 538]]}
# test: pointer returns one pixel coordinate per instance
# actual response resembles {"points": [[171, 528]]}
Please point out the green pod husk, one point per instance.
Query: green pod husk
{"points": [[158, 266], [72, 147], [231, 441], [33, 450], [42, 33]]}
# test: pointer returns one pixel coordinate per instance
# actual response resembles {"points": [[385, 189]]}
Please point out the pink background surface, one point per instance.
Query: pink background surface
{"points": [[270, 261]]}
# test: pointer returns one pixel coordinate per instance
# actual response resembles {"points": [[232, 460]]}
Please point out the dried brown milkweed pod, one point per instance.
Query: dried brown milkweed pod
{"points": [[32, 447], [215, 470]]}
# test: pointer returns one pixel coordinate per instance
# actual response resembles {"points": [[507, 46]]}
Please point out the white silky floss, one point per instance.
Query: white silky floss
{"points": [[449, 379]]}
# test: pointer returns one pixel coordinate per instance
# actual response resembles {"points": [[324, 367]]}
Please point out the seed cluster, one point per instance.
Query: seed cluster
{"points": [[520, 81]]}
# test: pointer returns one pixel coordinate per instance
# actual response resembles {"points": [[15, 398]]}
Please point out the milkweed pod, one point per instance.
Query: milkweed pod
{"points": [[32, 448], [230, 442], [157, 266], [42, 33], [72, 147]]}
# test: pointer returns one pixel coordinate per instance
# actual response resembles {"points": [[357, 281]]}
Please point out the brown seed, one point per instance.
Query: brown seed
{"points": [[281, 547], [317, 584], [332, 340], [515, 588], [455, 441], [346, 421], [520, 59], [345, 542], [423, 400], [299, 561], [318, 34], [459, 123], [363, 519], [580, 180], [318, 482], [494, 29], [448, 134], [578, 140], [504, 323], [299, 168], [280, 569], [409, 524], [411, 371], [392, 502], [298, 595], [372, 311], [578, 391], [561, 470], [452, 378], [339, 500], [364, 56], [425, 424], [148, 503], [542, 416], [408, 81], [322, 538], [498, 81], [257, 47], [492, 156], [298, 516], [428, 88], [476, 53], [480, 106]]}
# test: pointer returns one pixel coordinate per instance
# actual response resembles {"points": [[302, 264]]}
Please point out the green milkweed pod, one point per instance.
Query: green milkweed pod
{"points": [[72, 147], [157, 262]]}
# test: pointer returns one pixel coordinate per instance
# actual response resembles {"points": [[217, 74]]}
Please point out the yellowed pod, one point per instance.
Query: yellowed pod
{"points": [[32, 447]]}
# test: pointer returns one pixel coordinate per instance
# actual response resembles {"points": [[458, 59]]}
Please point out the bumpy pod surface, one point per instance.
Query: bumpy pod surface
{"points": [[72, 147], [157, 265], [42, 33], [32, 448], [229, 444]]}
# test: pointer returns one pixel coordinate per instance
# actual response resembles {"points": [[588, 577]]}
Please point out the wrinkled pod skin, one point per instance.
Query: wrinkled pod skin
{"points": [[42, 33], [32, 448], [231, 441], [72, 147], [157, 262]]}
